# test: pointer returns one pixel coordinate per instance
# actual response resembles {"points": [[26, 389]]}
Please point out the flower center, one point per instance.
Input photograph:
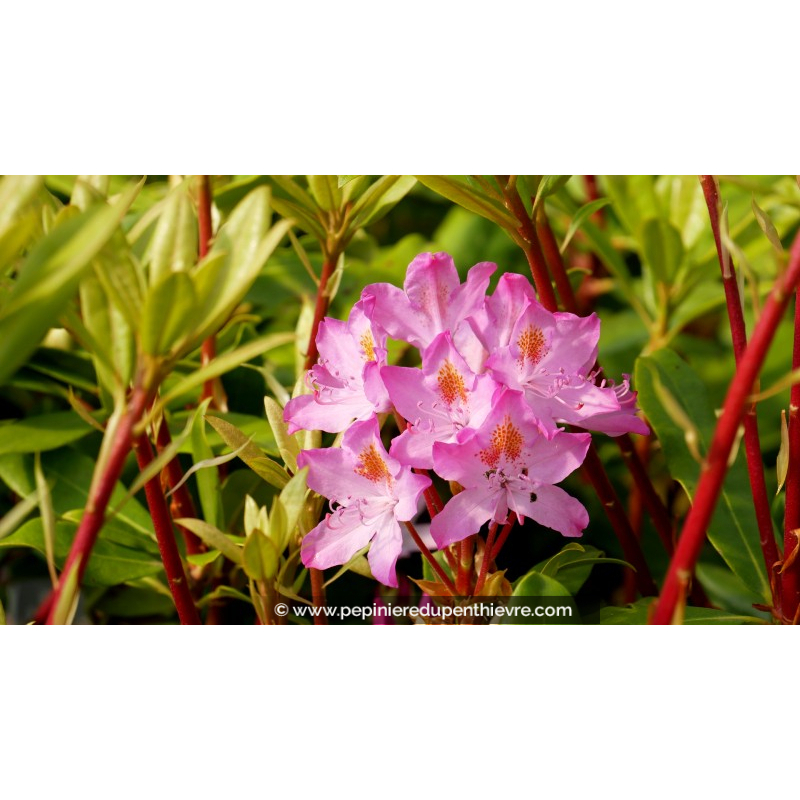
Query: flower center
{"points": [[451, 384], [372, 466], [367, 345], [532, 346], [506, 441]]}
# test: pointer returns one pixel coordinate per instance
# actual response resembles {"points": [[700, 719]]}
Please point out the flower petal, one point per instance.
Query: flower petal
{"points": [[463, 515], [385, 550], [336, 539], [553, 508]]}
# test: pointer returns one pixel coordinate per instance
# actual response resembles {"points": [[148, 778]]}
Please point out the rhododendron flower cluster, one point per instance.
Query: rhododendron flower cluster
{"points": [[499, 378]]}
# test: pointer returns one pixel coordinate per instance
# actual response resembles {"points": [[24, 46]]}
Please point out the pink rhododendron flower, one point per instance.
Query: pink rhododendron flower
{"points": [[433, 299], [373, 493], [509, 465], [550, 357], [438, 401], [346, 381]]}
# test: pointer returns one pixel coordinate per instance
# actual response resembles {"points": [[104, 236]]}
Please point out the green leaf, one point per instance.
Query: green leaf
{"points": [[288, 447], [343, 180], [109, 564], [201, 559], [260, 558], [67, 604], [18, 217], [326, 191], [459, 192], [173, 246], [49, 278], [548, 185], [572, 565], [581, 215], [380, 197], [169, 314], [733, 530], [244, 243], [537, 584], [662, 249], [208, 480], [214, 538], [265, 467], [768, 227], [225, 363], [637, 614], [48, 517], [293, 499], [42, 432]]}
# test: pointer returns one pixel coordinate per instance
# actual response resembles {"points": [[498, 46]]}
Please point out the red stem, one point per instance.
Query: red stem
{"points": [[531, 248], [755, 459], [183, 505], [428, 556], [103, 482], [487, 557], [790, 589], [716, 463], [162, 522], [320, 309]]}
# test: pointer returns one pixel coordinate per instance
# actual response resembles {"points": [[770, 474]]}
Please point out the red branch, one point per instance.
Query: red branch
{"points": [[104, 480], [320, 310], [752, 444], [429, 557], [790, 590], [183, 506], [716, 463], [162, 522]]}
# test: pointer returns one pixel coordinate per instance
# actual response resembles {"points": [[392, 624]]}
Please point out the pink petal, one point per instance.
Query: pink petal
{"points": [[551, 460], [332, 473], [463, 515], [385, 550], [305, 413], [469, 298], [336, 539], [553, 508], [407, 390]]}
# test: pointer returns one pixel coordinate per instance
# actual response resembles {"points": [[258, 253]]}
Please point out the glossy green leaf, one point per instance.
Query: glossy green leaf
{"points": [[225, 363], [265, 467], [43, 432], [260, 558], [245, 242], [637, 614], [49, 278], [173, 245], [733, 529], [214, 538], [662, 249], [288, 447], [459, 192], [380, 198], [548, 185], [169, 314], [572, 565], [581, 215], [326, 191], [109, 564], [768, 227]]}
